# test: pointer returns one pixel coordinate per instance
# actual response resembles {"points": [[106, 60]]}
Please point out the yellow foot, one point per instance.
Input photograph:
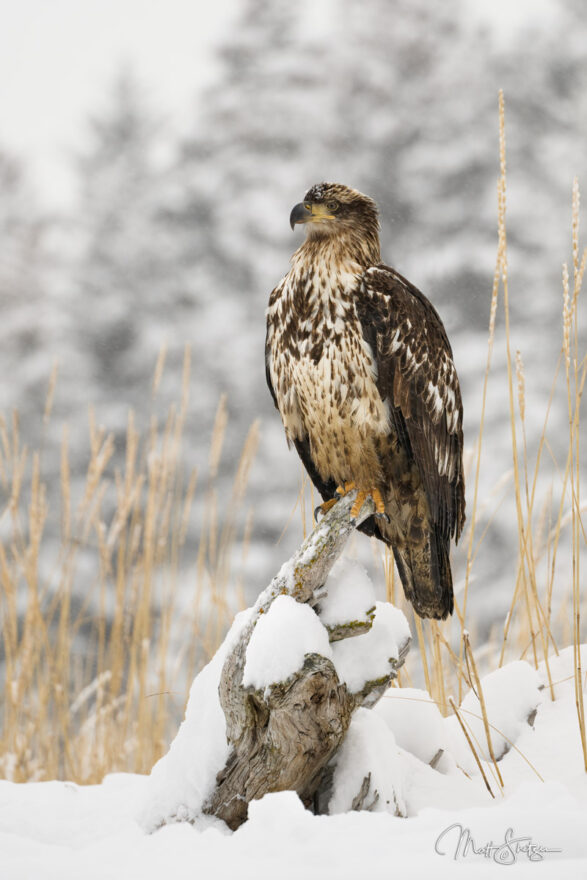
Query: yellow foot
{"points": [[324, 508], [377, 500], [340, 492]]}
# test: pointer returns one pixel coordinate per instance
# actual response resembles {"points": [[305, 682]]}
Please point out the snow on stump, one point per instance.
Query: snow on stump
{"points": [[271, 710]]}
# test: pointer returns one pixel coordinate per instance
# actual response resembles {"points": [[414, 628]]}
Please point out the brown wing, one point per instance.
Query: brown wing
{"points": [[417, 376]]}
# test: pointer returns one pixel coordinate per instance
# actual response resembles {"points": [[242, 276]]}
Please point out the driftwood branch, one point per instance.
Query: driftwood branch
{"points": [[284, 737]]}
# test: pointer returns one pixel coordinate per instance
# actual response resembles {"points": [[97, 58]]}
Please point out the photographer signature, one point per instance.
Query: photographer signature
{"points": [[505, 853]]}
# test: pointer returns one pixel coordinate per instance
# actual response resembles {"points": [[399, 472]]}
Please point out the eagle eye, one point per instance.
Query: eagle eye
{"points": [[332, 205]]}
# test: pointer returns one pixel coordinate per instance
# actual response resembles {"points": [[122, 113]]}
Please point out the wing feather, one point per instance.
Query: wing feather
{"points": [[417, 376]]}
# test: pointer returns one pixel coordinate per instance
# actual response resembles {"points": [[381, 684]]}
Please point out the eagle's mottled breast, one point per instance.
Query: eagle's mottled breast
{"points": [[324, 372]]}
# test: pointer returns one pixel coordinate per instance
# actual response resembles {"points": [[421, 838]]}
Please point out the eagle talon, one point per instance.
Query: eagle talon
{"points": [[384, 516], [324, 508], [375, 496]]}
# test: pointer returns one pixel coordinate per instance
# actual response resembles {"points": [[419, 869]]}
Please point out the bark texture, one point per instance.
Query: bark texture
{"points": [[284, 737]]}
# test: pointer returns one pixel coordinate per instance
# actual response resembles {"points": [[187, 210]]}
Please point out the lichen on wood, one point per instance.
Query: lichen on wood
{"points": [[350, 628]]}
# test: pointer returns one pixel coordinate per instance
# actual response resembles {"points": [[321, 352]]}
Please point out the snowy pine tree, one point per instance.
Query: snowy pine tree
{"points": [[30, 325], [128, 285]]}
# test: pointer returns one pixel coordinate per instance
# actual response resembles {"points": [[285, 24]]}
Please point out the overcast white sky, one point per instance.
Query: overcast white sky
{"points": [[58, 56]]}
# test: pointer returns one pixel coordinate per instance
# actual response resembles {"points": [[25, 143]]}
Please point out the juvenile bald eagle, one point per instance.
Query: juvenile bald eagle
{"points": [[361, 370]]}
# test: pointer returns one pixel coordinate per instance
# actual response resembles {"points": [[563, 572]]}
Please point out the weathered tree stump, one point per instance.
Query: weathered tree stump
{"points": [[284, 737]]}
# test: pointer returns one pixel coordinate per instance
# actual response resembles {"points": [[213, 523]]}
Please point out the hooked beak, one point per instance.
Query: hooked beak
{"points": [[301, 213], [306, 212]]}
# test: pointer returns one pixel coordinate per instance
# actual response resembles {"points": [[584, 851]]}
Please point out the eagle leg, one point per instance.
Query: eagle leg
{"points": [[377, 500], [340, 492]]}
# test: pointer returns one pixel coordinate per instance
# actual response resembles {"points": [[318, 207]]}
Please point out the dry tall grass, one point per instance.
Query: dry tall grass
{"points": [[88, 687], [533, 628]]}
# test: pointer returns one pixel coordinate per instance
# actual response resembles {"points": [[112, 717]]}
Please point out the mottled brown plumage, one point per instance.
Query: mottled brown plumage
{"points": [[361, 370]]}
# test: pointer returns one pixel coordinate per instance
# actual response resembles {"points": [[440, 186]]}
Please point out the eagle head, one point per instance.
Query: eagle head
{"points": [[332, 209]]}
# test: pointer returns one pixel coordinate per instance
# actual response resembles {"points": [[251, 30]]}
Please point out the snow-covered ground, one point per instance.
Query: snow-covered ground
{"points": [[448, 821], [60, 830]]}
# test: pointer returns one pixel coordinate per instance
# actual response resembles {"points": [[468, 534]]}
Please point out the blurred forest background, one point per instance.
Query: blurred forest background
{"points": [[177, 237]]}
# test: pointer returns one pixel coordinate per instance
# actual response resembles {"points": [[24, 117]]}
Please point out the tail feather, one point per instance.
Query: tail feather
{"points": [[424, 570], [426, 576]]}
